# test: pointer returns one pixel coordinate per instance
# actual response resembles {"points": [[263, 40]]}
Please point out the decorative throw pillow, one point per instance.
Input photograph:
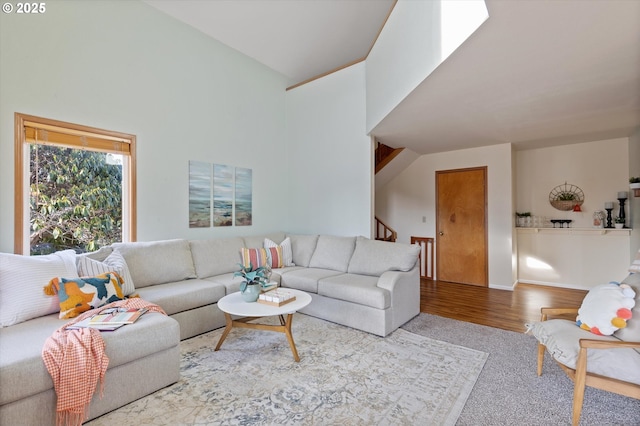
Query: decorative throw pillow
{"points": [[257, 257], [21, 282], [287, 252], [115, 262], [78, 295], [606, 308]]}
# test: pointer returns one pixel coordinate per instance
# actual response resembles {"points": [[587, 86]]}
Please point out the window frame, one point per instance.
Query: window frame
{"points": [[71, 136]]}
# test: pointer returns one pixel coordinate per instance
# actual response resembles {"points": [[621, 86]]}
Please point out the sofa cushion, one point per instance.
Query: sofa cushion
{"points": [[333, 253], [631, 333], [157, 262], [101, 254], [561, 339], [114, 262], [302, 248], [22, 279], [285, 246], [216, 256], [305, 279], [372, 257], [23, 373], [258, 241], [360, 289], [230, 283], [78, 295], [182, 296]]}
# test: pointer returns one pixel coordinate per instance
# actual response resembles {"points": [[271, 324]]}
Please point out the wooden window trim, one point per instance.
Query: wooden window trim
{"points": [[28, 129]]}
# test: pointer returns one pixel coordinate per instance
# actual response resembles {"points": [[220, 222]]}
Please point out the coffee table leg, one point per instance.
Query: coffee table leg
{"points": [[287, 331], [226, 331]]}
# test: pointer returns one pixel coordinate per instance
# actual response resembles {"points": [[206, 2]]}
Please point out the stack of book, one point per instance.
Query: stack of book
{"points": [[109, 319]]}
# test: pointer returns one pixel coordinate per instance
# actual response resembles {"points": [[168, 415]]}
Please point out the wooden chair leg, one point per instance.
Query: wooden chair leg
{"points": [[541, 351], [579, 385]]}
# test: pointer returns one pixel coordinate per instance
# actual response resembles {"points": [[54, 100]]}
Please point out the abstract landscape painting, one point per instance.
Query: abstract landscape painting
{"points": [[222, 195], [243, 196], [199, 194]]}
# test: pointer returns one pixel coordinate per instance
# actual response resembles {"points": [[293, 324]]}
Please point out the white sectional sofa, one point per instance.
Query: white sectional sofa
{"points": [[361, 283]]}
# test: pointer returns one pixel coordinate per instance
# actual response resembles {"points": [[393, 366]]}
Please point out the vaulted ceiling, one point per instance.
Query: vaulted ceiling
{"points": [[536, 73]]}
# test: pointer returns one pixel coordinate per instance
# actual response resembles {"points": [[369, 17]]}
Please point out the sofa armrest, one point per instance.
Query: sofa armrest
{"points": [[404, 288], [389, 280]]}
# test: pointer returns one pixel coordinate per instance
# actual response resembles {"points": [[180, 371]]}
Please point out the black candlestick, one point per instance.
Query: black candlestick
{"points": [[621, 215], [609, 218]]}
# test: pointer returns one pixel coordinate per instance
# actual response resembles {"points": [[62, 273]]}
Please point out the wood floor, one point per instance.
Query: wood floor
{"points": [[508, 310]]}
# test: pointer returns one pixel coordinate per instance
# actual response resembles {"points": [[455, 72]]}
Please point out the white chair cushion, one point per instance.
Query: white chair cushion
{"points": [[561, 338]]}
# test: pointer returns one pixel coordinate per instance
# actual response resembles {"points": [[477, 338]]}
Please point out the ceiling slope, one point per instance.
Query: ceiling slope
{"points": [[536, 73]]}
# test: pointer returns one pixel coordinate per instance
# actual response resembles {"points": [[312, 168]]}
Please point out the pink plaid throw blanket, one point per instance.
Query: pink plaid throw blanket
{"points": [[77, 361]]}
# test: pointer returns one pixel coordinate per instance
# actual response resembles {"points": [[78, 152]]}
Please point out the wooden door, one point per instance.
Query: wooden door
{"points": [[461, 226]]}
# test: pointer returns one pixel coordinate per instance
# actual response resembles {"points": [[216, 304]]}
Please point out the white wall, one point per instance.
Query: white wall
{"points": [[599, 168], [634, 202], [127, 67], [404, 201], [416, 38], [330, 155], [577, 259]]}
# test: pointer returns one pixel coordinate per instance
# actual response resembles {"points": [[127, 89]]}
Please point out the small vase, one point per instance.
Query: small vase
{"points": [[619, 225], [251, 293]]}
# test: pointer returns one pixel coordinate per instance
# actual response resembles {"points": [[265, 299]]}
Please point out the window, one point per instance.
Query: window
{"points": [[74, 186]]}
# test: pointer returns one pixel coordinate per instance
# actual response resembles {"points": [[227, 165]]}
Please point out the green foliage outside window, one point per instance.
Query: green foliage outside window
{"points": [[76, 200]]}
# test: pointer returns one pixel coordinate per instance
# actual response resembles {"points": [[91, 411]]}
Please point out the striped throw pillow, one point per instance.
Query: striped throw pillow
{"points": [[257, 257], [287, 252], [115, 262], [21, 282]]}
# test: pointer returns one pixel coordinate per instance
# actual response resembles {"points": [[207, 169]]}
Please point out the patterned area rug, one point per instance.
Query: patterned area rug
{"points": [[344, 377]]}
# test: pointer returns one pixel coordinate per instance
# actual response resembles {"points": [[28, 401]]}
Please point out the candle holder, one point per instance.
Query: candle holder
{"points": [[621, 214], [609, 218]]}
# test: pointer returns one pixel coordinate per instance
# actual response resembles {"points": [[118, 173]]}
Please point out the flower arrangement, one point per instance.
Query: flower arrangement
{"points": [[619, 219]]}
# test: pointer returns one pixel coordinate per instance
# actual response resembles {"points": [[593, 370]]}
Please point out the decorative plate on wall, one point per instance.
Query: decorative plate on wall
{"points": [[566, 197]]}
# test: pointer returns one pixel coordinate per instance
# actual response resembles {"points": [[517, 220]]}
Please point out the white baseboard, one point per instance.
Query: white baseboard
{"points": [[551, 284]]}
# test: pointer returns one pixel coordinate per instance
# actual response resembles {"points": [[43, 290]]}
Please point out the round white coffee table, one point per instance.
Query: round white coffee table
{"points": [[233, 304]]}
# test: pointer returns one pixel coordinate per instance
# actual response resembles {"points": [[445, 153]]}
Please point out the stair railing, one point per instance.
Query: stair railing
{"points": [[426, 256], [387, 234]]}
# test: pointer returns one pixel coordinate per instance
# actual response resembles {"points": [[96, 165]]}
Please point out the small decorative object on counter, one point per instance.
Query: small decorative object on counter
{"points": [[598, 219]]}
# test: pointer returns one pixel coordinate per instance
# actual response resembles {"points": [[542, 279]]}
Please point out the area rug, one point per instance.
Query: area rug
{"points": [[509, 392], [344, 377]]}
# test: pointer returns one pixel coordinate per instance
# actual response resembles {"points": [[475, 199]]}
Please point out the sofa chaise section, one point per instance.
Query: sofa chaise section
{"points": [[143, 357]]}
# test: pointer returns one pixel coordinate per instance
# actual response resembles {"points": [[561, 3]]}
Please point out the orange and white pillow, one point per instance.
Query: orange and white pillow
{"points": [[78, 295]]}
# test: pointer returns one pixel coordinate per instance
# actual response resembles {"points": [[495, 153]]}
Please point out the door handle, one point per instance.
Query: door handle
{"points": [[441, 233]]}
